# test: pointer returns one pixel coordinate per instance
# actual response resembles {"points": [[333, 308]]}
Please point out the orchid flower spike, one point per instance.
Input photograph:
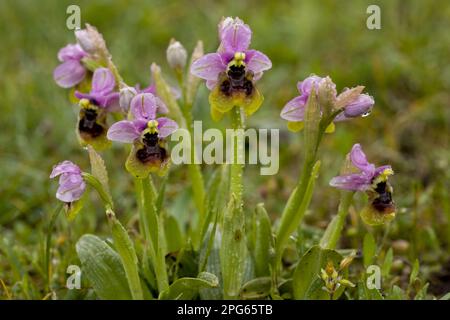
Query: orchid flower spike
{"points": [[351, 102], [372, 180], [232, 71], [71, 183], [147, 133], [71, 71]]}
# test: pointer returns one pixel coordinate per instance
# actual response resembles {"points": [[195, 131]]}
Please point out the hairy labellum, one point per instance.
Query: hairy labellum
{"points": [[383, 201], [148, 155], [88, 123], [381, 208], [152, 151], [237, 80]]}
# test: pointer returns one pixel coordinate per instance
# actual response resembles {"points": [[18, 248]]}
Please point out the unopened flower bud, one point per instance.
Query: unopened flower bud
{"points": [[84, 40], [326, 94], [361, 106], [176, 55], [90, 40], [126, 95]]}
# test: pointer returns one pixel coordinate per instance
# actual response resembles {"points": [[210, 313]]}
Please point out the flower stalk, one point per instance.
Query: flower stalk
{"points": [[234, 251], [334, 230], [153, 226]]}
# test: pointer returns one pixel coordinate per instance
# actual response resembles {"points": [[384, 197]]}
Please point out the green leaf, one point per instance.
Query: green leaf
{"points": [[414, 272], [125, 248], [174, 236], [187, 288], [161, 195], [258, 288], [396, 294], [365, 293], [446, 296], [103, 267], [387, 263], [307, 283], [294, 211], [98, 168], [263, 241], [212, 256], [422, 293], [233, 251], [72, 209], [369, 249]]}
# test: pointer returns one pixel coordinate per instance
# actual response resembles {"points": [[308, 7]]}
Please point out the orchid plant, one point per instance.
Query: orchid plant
{"points": [[229, 256]]}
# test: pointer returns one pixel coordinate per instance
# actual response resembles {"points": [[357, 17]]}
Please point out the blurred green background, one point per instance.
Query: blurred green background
{"points": [[405, 66]]}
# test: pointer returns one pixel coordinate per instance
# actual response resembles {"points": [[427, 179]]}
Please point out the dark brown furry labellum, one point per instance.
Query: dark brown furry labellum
{"points": [[152, 150], [88, 123]]}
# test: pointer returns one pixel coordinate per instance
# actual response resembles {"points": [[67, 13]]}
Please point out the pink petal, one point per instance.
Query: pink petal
{"points": [[359, 160], [305, 86], [235, 35], [103, 81], [361, 105], [64, 167], [208, 67], [379, 170], [71, 187], [161, 106], [166, 127], [210, 84], [69, 73], [71, 52], [257, 61], [294, 110], [144, 105], [123, 131], [355, 182]]}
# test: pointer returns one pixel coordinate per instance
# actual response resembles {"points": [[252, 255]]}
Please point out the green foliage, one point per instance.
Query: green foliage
{"points": [[406, 129], [306, 281], [103, 267]]}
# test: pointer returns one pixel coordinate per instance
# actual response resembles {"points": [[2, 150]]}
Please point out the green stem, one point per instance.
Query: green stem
{"points": [[97, 185], [334, 230], [233, 250], [194, 170], [48, 241], [153, 226], [122, 242], [125, 248], [237, 169], [289, 218]]}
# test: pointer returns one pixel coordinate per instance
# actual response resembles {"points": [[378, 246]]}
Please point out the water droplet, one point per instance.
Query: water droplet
{"points": [[366, 114]]}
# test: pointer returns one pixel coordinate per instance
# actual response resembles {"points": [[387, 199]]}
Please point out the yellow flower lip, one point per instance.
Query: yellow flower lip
{"points": [[152, 126]]}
